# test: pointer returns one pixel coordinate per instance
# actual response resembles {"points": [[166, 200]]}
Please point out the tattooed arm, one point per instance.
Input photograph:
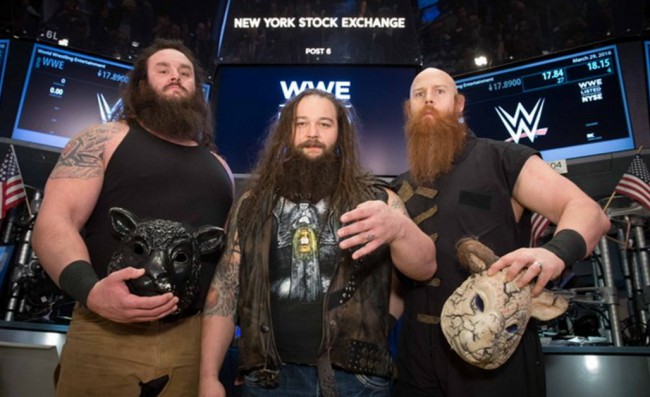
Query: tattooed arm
{"points": [[70, 195], [218, 317], [374, 223]]}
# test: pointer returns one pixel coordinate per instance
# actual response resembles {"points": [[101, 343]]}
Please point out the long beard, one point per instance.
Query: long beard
{"points": [[306, 179], [433, 144], [173, 118]]}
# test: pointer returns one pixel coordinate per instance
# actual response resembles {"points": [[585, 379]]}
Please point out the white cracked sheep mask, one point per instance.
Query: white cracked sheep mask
{"points": [[485, 318]]}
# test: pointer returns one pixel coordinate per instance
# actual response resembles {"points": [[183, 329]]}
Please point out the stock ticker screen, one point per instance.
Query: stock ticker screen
{"points": [[64, 92], [566, 107]]}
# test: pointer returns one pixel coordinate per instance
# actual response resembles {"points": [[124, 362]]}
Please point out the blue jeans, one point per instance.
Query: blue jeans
{"points": [[302, 381]]}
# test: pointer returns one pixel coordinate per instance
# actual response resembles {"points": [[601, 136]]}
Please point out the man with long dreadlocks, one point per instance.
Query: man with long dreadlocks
{"points": [[311, 295]]}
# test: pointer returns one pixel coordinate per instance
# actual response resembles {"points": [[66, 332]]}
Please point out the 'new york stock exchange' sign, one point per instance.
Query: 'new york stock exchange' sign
{"points": [[349, 33]]}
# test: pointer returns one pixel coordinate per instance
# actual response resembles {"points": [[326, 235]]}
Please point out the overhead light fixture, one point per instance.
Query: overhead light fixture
{"points": [[481, 60]]}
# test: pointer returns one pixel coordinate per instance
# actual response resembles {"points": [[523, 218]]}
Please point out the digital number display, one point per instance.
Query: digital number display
{"points": [[566, 106], [112, 76]]}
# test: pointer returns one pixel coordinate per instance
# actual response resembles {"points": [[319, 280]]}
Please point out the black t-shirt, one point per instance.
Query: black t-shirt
{"points": [[302, 260]]}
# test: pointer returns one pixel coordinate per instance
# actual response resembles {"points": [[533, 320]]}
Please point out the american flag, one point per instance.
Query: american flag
{"points": [[13, 190], [634, 182], [538, 225]]}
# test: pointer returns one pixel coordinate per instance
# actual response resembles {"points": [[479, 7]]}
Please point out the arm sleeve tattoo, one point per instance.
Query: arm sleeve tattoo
{"points": [[224, 289]]}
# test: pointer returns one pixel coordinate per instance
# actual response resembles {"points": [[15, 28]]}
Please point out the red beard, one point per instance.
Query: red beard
{"points": [[433, 143]]}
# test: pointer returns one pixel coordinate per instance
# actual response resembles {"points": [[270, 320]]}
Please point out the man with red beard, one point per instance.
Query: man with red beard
{"points": [[308, 265], [460, 186], [159, 163]]}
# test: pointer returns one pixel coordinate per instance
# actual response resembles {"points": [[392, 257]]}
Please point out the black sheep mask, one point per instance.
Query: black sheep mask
{"points": [[170, 252]]}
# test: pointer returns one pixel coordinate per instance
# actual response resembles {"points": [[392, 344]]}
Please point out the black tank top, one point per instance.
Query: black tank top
{"points": [[157, 179]]}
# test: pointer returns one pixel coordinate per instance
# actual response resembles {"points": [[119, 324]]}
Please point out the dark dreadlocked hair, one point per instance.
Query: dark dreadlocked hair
{"points": [[353, 185], [138, 77]]}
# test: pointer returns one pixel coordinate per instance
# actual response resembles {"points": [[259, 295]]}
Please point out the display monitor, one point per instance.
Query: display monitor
{"points": [[65, 91], [566, 106], [349, 32], [4, 52], [250, 97]]}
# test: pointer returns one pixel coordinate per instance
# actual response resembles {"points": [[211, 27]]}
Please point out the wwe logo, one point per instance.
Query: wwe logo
{"points": [[107, 112], [522, 124]]}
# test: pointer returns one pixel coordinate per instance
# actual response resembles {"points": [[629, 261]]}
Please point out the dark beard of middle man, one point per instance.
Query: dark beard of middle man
{"points": [[308, 180]]}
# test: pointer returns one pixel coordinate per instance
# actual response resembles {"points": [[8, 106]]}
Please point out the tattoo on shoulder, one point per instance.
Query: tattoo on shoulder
{"points": [[82, 157]]}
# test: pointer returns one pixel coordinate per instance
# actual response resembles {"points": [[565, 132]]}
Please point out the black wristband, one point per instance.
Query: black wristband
{"points": [[568, 245], [77, 279]]}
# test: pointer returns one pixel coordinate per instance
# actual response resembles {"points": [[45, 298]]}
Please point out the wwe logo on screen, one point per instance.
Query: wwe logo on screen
{"points": [[523, 124], [107, 112], [340, 89]]}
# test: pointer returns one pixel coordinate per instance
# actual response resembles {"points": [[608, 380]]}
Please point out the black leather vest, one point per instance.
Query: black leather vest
{"points": [[356, 320]]}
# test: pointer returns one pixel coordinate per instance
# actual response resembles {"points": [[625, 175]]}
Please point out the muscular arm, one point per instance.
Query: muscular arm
{"points": [[70, 195], [374, 223], [544, 191], [218, 317]]}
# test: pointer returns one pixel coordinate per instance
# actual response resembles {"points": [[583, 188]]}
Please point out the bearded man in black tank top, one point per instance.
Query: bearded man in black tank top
{"points": [[158, 162], [460, 186]]}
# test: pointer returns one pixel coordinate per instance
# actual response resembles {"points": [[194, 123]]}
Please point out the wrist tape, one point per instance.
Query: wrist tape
{"points": [[77, 279], [568, 245]]}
